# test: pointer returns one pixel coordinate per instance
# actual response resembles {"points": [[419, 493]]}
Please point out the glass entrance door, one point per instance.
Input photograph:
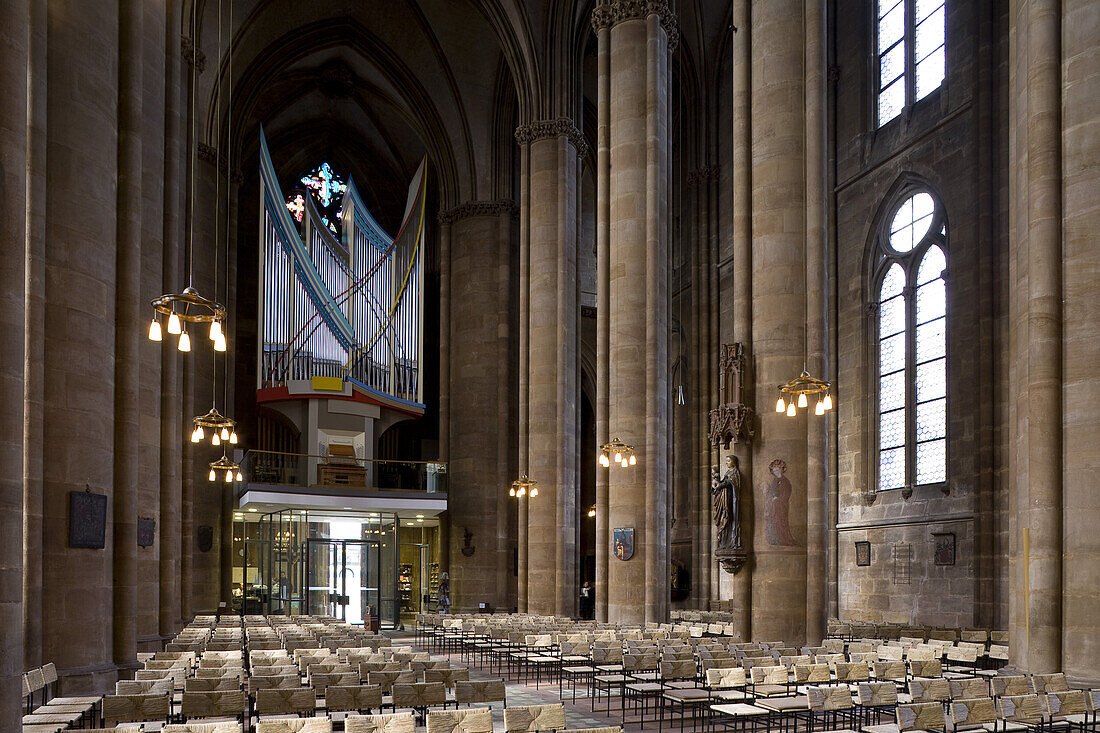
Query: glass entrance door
{"points": [[342, 579]]}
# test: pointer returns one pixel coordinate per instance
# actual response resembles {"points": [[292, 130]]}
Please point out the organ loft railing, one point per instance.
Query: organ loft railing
{"points": [[340, 297]]}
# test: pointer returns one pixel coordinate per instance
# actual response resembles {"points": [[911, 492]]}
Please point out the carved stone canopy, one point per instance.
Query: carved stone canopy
{"points": [[731, 560], [731, 424]]}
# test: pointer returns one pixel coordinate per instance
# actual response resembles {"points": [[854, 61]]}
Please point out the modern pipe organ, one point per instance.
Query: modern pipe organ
{"points": [[341, 297]]}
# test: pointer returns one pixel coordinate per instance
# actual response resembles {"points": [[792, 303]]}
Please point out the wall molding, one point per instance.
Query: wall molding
{"points": [[954, 518]]}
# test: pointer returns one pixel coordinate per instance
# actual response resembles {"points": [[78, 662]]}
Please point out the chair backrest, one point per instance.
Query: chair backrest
{"points": [[1011, 685], [1049, 683], [1063, 703], [471, 720], [824, 698], [295, 725], [852, 671], [226, 703], [925, 667], [811, 673], [830, 659], [969, 688], [353, 697], [935, 689], [878, 694], [888, 653], [447, 676], [49, 673], [965, 654], [791, 661], [222, 726], [418, 694], [211, 684], [274, 682], [392, 723], [920, 716], [530, 718], [136, 708], [895, 670], [607, 654], [776, 675], [1020, 708], [35, 679], [720, 678], [480, 691], [974, 713], [283, 702], [639, 662], [680, 669]]}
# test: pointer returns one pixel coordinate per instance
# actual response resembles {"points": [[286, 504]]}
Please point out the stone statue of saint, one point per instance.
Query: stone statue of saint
{"points": [[723, 492]]}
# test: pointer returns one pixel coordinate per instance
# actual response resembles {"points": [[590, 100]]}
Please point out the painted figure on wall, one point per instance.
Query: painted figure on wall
{"points": [[777, 500], [724, 511]]}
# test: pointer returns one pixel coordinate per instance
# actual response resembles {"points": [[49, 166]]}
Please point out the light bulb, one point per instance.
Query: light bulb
{"points": [[225, 433], [240, 476], [633, 460], [229, 476], [828, 401], [604, 461], [214, 439], [215, 330], [624, 462], [154, 331], [219, 342], [198, 434], [185, 342], [819, 408], [512, 491], [213, 476], [174, 327], [534, 492], [618, 458], [790, 410], [591, 512], [802, 400], [233, 438], [780, 405], [521, 491]]}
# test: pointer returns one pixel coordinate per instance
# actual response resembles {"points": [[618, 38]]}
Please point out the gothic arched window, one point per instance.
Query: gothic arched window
{"points": [[910, 299], [909, 45]]}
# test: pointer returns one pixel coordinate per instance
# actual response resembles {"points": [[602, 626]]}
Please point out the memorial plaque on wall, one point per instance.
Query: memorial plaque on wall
{"points": [[206, 537], [87, 519], [146, 531]]}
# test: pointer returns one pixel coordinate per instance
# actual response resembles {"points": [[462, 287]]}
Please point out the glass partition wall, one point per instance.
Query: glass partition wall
{"points": [[340, 563]]}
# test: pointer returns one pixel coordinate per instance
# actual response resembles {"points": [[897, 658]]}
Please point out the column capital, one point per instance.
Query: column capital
{"points": [[544, 129], [613, 12], [477, 208], [192, 56]]}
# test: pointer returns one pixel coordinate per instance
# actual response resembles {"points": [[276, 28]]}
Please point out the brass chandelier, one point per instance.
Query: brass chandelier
{"points": [[524, 486], [619, 452], [222, 429], [229, 467], [796, 391]]}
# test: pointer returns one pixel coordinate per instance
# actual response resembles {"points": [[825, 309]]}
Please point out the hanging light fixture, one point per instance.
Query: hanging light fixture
{"points": [[799, 390], [592, 511], [222, 429], [619, 452], [524, 486], [225, 467]]}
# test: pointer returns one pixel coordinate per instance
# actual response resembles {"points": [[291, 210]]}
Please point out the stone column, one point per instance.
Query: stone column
{"points": [[127, 328], [551, 149], [1080, 334], [815, 317], [35, 335], [639, 42], [778, 317], [14, 60], [1036, 238], [478, 477], [171, 422], [603, 304], [741, 585]]}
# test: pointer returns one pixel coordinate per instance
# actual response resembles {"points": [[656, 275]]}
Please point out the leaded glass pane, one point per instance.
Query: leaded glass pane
{"points": [[903, 217], [891, 25], [891, 317], [930, 72], [891, 65], [926, 7], [911, 222], [893, 283], [891, 469], [891, 100], [931, 301], [923, 205], [932, 462], [931, 380], [931, 420], [891, 355], [891, 391], [892, 429], [932, 266], [931, 341], [929, 34]]}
